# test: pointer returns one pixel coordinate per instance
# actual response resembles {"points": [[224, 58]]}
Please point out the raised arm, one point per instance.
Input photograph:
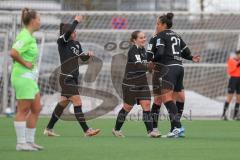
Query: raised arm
{"points": [[65, 36]]}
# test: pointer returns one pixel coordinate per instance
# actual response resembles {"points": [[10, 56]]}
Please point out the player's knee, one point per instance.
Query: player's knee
{"points": [[77, 103], [180, 99], [127, 107], [167, 99], [23, 112], [76, 100], [238, 98], [157, 101], [179, 96], [229, 97], [146, 108], [146, 105], [64, 103], [36, 109]]}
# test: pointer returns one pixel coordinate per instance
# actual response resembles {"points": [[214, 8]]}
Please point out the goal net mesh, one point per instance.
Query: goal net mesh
{"points": [[212, 36]]}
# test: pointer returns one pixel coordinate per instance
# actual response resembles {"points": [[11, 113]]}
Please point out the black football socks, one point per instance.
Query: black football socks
{"points": [[148, 121], [236, 109], [55, 116], [180, 107], [226, 104], [120, 119], [173, 115], [80, 117], [155, 114]]}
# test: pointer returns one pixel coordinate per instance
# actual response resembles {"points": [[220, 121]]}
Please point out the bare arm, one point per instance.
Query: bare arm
{"points": [[16, 57]]}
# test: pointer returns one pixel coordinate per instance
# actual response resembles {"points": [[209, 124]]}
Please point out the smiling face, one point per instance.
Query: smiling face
{"points": [[140, 40]]}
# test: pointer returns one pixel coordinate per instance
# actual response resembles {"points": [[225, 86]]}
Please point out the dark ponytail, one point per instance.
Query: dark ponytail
{"points": [[170, 16], [28, 15], [64, 27], [134, 36], [61, 28], [167, 19]]}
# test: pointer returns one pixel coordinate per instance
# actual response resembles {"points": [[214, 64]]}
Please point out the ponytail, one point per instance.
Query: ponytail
{"points": [[27, 16], [64, 27], [167, 19]]}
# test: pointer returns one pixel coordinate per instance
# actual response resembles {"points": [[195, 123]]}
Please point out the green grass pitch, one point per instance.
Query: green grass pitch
{"points": [[206, 140]]}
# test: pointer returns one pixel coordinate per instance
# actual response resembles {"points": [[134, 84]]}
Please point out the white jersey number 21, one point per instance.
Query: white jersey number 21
{"points": [[176, 41]]}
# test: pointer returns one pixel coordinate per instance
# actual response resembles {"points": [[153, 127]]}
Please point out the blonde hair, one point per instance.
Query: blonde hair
{"points": [[28, 15]]}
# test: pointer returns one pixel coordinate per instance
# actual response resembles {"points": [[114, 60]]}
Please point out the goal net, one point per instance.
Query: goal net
{"points": [[212, 36]]}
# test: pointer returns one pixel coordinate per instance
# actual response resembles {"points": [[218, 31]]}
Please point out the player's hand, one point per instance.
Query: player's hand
{"points": [[196, 58], [29, 65], [150, 66], [154, 33], [78, 18], [90, 53]]}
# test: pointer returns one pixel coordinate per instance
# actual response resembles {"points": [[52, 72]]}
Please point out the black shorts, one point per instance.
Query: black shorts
{"points": [[175, 76], [69, 85], [234, 85], [133, 94]]}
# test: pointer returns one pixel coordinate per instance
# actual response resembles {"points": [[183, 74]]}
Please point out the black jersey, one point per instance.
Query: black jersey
{"points": [[167, 47], [69, 50], [135, 85], [136, 65]]}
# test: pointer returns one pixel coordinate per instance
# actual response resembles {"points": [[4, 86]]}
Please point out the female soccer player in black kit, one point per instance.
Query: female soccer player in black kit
{"points": [[168, 48], [135, 86], [70, 51]]}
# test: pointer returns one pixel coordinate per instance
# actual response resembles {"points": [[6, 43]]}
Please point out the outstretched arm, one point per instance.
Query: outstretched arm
{"points": [[186, 53], [68, 33]]}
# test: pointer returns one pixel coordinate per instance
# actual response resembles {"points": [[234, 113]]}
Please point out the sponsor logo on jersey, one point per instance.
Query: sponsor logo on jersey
{"points": [[19, 44], [149, 47], [158, 42], [138, 58]]}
